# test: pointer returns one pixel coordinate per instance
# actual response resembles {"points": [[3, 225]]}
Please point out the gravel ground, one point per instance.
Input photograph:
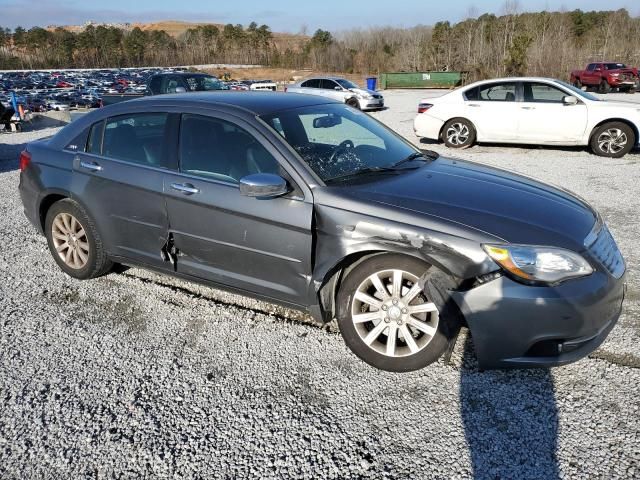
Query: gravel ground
{"points": [[138, 375]]}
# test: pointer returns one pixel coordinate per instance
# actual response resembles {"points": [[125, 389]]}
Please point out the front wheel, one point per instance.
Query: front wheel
{"points": [[385, 317], [577, 83], [604, 87], [458, 133], [613, 139], [353, 102]]}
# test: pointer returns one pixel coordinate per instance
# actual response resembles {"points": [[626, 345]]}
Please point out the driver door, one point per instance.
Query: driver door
{"points": [[262, 246]]}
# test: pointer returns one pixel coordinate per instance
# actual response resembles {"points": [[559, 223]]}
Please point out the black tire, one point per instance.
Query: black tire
{"points": [[97, 262], [353, 102], [433, 346], [601, 137], [604, 87], [577, 83], [458, 133]]}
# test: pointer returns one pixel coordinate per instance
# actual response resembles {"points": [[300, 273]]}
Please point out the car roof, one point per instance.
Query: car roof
{"points": [[513, 79], [256, 103]]}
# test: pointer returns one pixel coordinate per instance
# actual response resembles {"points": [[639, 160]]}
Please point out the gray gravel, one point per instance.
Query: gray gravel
{"points": [[138, 375]]}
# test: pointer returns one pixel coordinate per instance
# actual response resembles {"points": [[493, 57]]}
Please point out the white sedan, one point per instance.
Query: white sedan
{"points": [[532, 110]]}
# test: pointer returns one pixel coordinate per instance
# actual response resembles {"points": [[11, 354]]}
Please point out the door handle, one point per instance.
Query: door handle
{"points": [[93, 166], [528, 108], [474, 105], [185, 188]]}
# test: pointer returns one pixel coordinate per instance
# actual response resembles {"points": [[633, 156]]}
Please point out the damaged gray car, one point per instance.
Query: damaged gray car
{"points": [[314, 205]]}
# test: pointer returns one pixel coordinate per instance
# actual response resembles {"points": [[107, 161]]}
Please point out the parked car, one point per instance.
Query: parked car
{"points": [[58, 106], [174, 82], [530, 110], [340, 89], [328, 211], [263, 85], [605, 76]]}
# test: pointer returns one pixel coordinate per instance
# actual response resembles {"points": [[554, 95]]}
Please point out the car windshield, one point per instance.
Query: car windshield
{"points": [[346, 83], [339, 142], [204, 84], [579, 92]]}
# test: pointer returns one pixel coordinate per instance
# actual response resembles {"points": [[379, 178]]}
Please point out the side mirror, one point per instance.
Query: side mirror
{"points": [[263, 185], [181, 90], [337, 88], [569, 100]]}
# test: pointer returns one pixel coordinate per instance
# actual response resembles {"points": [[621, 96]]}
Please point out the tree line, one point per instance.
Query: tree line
{"points": [[514, 43]]}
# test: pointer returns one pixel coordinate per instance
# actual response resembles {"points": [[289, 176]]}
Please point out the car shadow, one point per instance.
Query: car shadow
{"points": [[510, 421]]}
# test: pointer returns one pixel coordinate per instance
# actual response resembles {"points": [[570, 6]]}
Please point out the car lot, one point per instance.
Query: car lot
{"points": [[137, 374]]}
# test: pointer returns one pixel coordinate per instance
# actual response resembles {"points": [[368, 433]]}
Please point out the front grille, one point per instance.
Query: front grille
{"points": [[603, 247], [376, 96]]}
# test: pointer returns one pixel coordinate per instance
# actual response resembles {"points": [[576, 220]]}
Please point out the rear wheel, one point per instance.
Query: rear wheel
{"points": [[613, 139], [74, 241], [386, 319], [577, 83], [458, 133]]}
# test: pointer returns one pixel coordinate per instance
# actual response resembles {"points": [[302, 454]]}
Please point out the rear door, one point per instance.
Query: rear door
{"points": [[544, 117], [260, 246], [120, 177], [493, 110]]}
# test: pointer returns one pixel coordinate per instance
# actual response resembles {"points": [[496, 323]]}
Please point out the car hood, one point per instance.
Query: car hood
{"points": [[511, 207], [363, 91]]}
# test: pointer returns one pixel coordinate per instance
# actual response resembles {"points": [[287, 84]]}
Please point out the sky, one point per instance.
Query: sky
{"points": [[281, 15]]}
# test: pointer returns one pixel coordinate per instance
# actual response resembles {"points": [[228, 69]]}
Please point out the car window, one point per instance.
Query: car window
{"points": [[542, 93], [155, 84], [217, 149], [496, 92], [313, 83], [137, 138], [327, 84], [591, 67], [614, 66], [337, 141], [94, 141]]}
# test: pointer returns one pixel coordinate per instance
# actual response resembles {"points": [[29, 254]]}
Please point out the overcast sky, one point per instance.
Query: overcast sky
{"points": [[280, 15]]}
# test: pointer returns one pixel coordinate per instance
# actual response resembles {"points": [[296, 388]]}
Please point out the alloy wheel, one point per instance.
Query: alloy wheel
{"points": [[612, 140], [458, 133], [70, 240], [391, 314]]}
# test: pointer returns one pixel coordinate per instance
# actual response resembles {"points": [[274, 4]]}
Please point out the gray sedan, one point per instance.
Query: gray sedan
{"points": [[309, 203]]}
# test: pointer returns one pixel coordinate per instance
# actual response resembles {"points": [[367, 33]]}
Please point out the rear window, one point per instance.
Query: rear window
{"points": [[137, 138]]}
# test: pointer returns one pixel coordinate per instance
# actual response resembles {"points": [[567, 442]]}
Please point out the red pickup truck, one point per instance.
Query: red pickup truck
{"points": [[605, 76]]}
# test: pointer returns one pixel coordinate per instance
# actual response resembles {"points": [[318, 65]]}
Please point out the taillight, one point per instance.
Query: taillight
{"points": [[25, 160], [423, 107]]}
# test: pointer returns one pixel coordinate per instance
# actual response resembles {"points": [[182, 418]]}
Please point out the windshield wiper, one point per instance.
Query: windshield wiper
{"points": [[427, 154], [363, 171]]}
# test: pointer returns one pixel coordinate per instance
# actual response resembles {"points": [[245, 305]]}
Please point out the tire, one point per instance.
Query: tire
{"points": [[604, 87], [577, 83], [369, 335], [458, 133], [84, 257], [353, 102], [613, 140]]}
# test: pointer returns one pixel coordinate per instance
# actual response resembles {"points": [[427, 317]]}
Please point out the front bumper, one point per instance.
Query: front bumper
{"points": [[371, 104], [516, 326]]}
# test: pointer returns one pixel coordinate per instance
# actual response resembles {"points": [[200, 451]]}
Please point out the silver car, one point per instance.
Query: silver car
{"points": [[340, 89]]}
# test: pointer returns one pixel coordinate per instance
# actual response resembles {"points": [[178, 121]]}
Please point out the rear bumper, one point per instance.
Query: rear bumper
{"points": [[30, 200], [426, 126], [519, 326]]}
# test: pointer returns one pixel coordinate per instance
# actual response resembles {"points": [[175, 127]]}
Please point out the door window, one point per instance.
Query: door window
{"points": [[217, 149], [94, 142], [591, 67], [137, 138], [542, 93], [327, 84], [493, 92], [313, 83]]}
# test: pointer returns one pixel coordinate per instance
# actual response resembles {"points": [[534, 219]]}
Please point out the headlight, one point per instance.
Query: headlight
{"points": [[539, 264], [364, 96]]}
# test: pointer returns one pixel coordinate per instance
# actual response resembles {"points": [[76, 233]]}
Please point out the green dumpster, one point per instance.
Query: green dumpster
{"points": [[421, 80]]}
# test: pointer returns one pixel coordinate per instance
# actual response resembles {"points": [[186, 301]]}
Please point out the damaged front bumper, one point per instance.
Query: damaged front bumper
{"points": [[517, 326]]}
